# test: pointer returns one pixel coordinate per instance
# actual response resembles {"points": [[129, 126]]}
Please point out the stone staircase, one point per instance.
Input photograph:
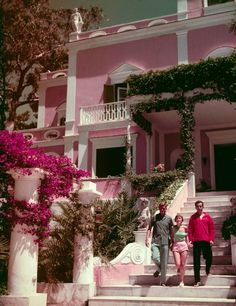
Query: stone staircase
{"points": [[219, 288]]}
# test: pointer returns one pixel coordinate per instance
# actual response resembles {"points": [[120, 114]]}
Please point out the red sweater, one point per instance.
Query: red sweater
{"points": [[201, 229]]}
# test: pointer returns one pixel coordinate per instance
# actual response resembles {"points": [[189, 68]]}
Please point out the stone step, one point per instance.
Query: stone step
{"points": [[174, 280], [157, 290], [158, 301], [206, 198], [215, 269], [217, 260]]}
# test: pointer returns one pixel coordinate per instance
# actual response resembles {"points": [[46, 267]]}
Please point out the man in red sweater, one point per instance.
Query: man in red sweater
{"points": [[201, 234]]}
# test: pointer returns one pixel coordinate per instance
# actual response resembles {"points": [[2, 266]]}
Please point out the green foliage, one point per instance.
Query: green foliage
{"points": [[205, 82], [119, 220], [35, 38], [229, 227], [56, 257], [154, 182], [4, 253]]}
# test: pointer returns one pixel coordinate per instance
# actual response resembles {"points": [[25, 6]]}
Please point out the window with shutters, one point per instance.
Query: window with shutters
{"points": [[115, 93]]}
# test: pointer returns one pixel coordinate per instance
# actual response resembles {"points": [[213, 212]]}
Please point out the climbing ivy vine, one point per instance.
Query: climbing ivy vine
{"points": [[180, 88]]}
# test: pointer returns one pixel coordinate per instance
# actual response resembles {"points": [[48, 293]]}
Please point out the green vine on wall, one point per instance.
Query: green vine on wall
{"points": [[186, 85]]}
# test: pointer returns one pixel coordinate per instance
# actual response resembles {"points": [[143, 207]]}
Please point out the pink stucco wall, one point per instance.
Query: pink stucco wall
{"points": [[95, 65], [57, 149], [54, 97], [195, 8], [205, 153], [172, 141], [202, 41]]}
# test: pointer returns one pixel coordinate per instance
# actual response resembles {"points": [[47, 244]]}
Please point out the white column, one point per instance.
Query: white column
{"points": [[41, 107], [83, 150], [71, 93], [182, 45], [182, 8], [23, 261], [83, 247], [148, 153]]}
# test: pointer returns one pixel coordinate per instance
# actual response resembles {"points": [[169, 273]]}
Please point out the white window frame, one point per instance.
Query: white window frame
{"points": [[111, 142], [119, 93]]}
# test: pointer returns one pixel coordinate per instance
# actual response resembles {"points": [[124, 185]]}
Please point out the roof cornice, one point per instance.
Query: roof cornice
{"points": [[154, 31]]}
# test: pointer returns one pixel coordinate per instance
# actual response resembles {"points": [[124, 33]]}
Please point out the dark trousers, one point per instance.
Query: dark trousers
{"points": [[203, 247]]}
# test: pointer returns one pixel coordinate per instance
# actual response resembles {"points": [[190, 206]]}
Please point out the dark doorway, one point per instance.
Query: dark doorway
{"points": [[110, 161], [225, 167]]}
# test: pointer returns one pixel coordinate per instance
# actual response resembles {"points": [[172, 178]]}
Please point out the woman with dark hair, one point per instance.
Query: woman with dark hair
{"points": [[180, 247]]}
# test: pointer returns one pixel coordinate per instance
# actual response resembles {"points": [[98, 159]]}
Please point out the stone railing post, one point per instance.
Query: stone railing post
{"points": [[83, 246], [23, 259], [191, 185]]}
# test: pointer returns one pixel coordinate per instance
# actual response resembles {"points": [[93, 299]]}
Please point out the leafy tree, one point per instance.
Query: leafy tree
{"points": [[35, 38]]}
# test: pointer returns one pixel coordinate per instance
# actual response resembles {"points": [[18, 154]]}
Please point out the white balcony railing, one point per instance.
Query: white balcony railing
{"points": [[102, 113]]}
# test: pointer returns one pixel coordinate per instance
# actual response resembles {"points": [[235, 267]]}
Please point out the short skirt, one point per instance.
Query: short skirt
{"points": [[180, 246]]}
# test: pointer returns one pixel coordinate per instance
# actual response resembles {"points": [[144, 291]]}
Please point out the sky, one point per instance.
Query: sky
{"points": [[123, 11]]}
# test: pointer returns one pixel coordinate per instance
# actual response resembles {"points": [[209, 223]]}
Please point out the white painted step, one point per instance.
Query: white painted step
{"points": [[157, 290], [174, 280], [158, 301]]}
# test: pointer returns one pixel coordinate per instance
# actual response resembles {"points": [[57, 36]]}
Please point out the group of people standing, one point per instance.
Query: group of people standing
{"points": [[199, 234]]}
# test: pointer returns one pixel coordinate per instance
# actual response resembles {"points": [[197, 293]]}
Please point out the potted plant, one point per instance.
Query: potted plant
{"points": [[228, 230]]}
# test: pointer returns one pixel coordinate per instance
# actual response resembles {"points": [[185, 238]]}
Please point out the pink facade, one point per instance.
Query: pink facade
{"points": [[86, 104]]}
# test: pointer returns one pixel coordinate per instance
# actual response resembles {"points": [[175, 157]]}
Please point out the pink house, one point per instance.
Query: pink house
{"points": [[84, 113]]}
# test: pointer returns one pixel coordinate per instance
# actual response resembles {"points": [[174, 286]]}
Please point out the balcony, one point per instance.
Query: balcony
{"points": [[110, 112]]}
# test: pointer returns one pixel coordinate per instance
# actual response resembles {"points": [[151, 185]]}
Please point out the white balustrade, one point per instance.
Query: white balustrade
{"points": [[116, 111]]}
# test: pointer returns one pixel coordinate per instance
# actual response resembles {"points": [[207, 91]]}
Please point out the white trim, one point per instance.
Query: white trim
{"points": [[120, 74], [157, 22], [41, 107], [148, 32], [97, 33], [28, 136], [111, 142], [126, 28], [218, 8], [71, 94], [182, 45], [182, 9], [218, 137], [162, 147], [53, 132], [83, 150], [48, 143], [222, 51], [148, 153]]}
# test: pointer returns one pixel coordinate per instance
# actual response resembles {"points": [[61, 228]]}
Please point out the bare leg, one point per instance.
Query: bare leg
{"points": [[183, 257], [177, 260]]}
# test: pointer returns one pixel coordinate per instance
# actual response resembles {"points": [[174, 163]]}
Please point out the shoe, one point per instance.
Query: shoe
{"points": [[156, 274], [181, 284], [163, 284], [197, 284]]}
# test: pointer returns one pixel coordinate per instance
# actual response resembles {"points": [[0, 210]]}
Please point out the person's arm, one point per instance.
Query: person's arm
{"points": [[190, 231], [211, 230], [148, 234]]}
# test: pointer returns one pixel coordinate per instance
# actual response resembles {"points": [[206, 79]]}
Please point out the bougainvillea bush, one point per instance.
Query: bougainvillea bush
{"points": [[60, 173]]}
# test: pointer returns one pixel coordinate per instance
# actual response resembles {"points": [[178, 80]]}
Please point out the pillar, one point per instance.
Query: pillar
{"points": [[23, 258], [83, 247]]}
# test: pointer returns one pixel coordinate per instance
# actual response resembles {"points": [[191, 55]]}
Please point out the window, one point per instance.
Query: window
{"points": [[115, 93], [108, 155], [110, 161]]}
